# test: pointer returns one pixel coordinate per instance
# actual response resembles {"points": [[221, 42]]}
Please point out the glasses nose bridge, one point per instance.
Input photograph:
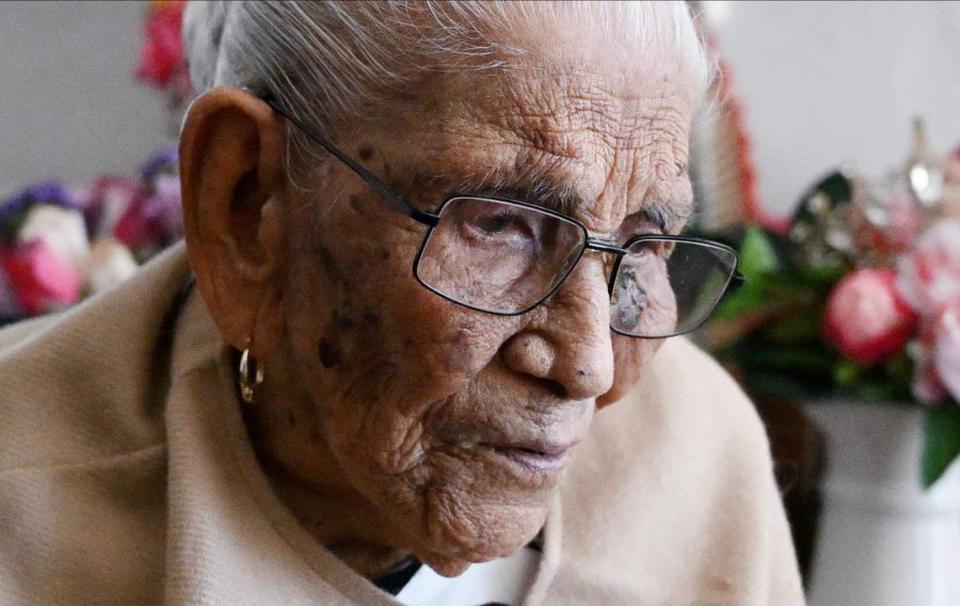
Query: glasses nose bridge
{"points": [[605, 246]]}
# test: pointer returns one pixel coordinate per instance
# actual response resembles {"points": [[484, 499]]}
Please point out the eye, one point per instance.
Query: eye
{"points": [[496, 223], [644, 251], [501, 225]]}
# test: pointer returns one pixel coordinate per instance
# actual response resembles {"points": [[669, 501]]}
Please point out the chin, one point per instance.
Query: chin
{"points": [[478, 534], [464, 522], [467, 504]]}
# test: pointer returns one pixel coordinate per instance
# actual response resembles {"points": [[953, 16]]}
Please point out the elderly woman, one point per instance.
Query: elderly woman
{"points": [[415, 348]]}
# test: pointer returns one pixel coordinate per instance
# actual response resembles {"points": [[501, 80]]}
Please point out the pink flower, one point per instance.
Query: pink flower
{"points": [[865, 317], [938, 359], [946, 350], [40, 279], [929, 280], [929, 277], [62, 229], [162, 55]]}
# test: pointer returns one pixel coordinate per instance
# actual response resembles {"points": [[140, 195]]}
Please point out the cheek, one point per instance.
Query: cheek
{"points": [[373, 347], [631, 357]]}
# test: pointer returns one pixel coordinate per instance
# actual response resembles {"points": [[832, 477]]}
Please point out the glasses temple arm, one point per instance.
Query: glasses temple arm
{"points": [[393, 199], [736, 281]]}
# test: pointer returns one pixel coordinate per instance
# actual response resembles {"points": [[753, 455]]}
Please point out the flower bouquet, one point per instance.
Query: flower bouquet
{"points": [[59, 244], [860, 295]]}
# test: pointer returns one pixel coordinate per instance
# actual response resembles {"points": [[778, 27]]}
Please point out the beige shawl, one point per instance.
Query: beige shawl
{"points": [[126, 477]]}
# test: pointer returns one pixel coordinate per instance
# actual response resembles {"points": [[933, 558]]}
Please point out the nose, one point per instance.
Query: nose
{"points": [[568, 343]]}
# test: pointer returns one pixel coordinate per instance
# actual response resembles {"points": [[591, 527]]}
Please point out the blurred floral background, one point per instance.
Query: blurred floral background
{"points": [[830, 158], [62, 240]]}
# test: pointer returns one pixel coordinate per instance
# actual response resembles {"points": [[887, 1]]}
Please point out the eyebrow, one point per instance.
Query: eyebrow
{"points": [[546, 192]]}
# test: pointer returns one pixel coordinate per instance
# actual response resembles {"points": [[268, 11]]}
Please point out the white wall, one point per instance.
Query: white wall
{"points": [[828, 82], [823, 83], [69, 105]]}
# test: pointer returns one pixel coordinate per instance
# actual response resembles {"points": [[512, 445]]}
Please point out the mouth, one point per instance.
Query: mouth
{"points": [[539, 459]]}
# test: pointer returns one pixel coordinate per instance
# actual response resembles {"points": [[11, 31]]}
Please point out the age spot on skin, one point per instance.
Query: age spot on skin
{"points": [[330, 264], [371, 318], [328, 354], [291, 418], [343, 322], [356, 202], [366, 152]]}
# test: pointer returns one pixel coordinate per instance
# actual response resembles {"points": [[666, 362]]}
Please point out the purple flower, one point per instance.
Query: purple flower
{"points": [[165, 160], [14, 210]]}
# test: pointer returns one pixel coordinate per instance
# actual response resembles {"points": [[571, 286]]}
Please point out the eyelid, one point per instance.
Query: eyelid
{"points": [[667, 216], [639, 223]]}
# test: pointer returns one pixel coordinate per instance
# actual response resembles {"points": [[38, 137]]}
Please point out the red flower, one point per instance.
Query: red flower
{"points": [[41, 280], [153, 216], [162, 53], [866, 318], [136, 228], [107, 200]]}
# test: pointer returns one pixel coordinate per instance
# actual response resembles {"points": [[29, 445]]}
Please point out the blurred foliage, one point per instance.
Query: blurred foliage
{"points": [[768, 332]]}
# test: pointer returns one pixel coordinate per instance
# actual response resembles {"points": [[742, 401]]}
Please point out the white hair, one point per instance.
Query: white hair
{"points": [[327, 61]]}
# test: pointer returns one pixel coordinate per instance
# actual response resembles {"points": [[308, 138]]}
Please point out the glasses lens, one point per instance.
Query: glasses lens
{"points": [[498, 256], [667, 287]]}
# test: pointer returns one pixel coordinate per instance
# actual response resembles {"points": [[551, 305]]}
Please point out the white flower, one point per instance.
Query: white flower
{"points": [[62, 229], [110, 263]]}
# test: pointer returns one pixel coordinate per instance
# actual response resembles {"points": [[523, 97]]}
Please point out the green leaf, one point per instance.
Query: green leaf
{"points": [[941, 441], [846, 373], [757, 256], [872, 389], [900, 368], [821, 277], [795, 359], [798, 327], [748, 298]]}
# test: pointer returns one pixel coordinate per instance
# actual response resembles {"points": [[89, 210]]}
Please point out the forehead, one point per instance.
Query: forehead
{"points": [[609, 137]]}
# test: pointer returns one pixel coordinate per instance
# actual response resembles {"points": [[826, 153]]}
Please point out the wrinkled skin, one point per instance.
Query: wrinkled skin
{"points": [[383, 403]]}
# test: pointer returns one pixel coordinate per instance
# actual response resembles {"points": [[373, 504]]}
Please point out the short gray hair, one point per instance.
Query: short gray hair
{"points": [[327, 61]]}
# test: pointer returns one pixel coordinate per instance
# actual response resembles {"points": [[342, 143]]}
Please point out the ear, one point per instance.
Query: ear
{"points": [[231, 171]]}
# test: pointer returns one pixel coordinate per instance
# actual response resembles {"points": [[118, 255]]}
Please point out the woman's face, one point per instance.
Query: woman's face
{"points": [[455, 425]]}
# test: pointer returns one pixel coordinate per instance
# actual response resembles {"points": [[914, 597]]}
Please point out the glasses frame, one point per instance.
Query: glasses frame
{"points": [[399, 203]]}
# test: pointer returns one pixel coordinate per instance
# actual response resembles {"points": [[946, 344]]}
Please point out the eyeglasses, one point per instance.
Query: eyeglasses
{"points": [[506, 257]]}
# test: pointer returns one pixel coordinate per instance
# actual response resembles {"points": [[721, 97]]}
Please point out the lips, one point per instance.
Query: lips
{"points": [[532, 458], [532, 443]]}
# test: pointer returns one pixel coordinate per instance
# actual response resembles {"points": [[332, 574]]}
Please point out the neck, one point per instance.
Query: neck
{"points": [[316, 491], [340, 523]]}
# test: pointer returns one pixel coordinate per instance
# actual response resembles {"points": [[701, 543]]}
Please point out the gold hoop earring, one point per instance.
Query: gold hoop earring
{"points": [[251, 375]]}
